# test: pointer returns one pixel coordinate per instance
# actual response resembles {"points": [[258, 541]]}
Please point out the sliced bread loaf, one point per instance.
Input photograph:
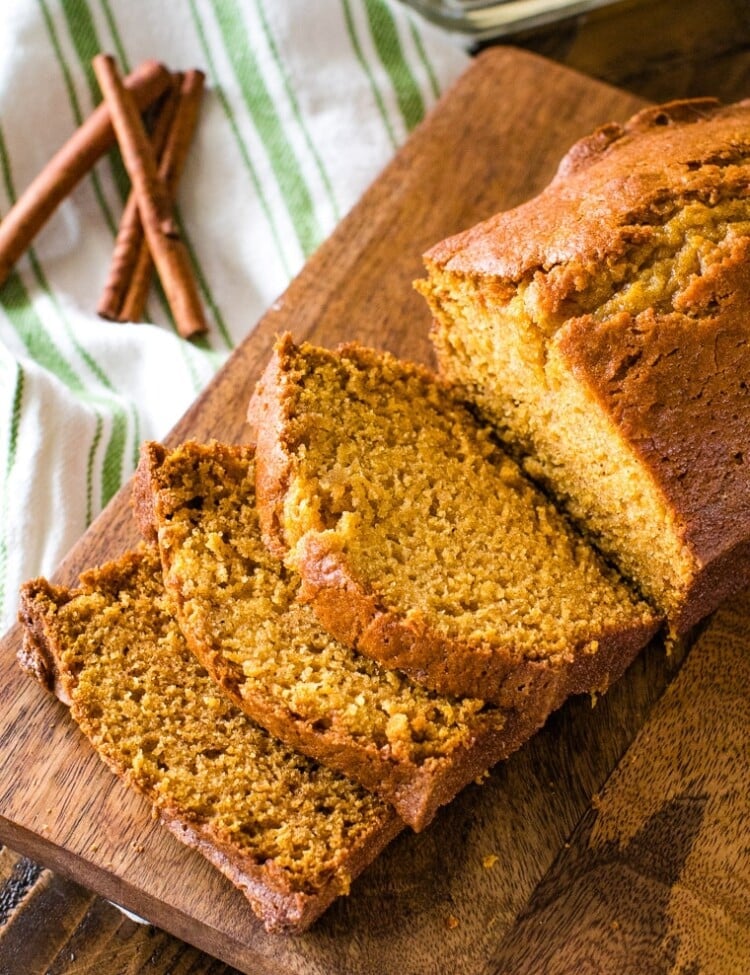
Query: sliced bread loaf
{"points": [[289, 833], [237, 608], [421, 543], [603, 327]]}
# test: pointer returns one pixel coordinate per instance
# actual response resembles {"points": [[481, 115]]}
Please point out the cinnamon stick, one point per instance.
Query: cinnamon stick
{"points": [[167, 249], [171, 165], [69, 165], [130, 238]]}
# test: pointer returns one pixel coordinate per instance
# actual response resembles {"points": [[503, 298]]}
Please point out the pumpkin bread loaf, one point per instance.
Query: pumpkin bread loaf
{"points": [[237, 608], [603, 327], [288, 832], [420, 542]]}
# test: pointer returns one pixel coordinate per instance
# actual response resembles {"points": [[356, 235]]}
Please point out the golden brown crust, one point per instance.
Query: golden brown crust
{"points": [[673, 379], [354, 615], [280, 907], [677, 389], [608, 190], [144, 490], [39, 654], [266, 416]]}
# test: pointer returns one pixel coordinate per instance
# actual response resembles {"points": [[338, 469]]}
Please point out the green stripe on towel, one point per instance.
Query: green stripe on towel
{"points": [[296, 112], [359, 54], [287, 171], [87, 44], [243, 150], [391, 54]]}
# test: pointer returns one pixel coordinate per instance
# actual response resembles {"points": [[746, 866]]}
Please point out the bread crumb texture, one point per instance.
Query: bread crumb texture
{"points": [[151, 711], [239, 602], [428, 513]]}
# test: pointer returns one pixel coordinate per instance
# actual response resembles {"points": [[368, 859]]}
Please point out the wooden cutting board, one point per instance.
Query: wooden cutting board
{"points": [[525, 873]]}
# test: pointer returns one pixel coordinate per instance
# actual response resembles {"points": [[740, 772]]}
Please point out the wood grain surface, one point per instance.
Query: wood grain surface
{"points": [[656, 877], [525, 872]]}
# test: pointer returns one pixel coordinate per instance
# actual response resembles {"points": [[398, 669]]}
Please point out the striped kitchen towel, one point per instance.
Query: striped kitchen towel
{"points": [[305, 103]]}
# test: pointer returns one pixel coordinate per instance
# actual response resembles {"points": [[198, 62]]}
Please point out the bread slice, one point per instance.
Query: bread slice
{"points": [[603, 327], [421, 543], [289, 833], [237, 608]]}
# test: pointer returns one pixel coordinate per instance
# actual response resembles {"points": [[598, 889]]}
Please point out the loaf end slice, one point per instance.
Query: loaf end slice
{"points": [[287, 832], [602, 327], [422, 544]]}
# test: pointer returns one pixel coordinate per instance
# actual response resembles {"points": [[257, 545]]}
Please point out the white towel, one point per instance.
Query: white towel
{"points": [[305, 104]]}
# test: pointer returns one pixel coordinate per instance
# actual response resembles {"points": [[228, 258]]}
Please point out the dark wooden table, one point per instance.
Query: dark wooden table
{"points": [[657, 50]]}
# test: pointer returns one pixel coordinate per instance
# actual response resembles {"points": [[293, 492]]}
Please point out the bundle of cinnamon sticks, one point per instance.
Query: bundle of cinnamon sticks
{"points": [[148, 235]]}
